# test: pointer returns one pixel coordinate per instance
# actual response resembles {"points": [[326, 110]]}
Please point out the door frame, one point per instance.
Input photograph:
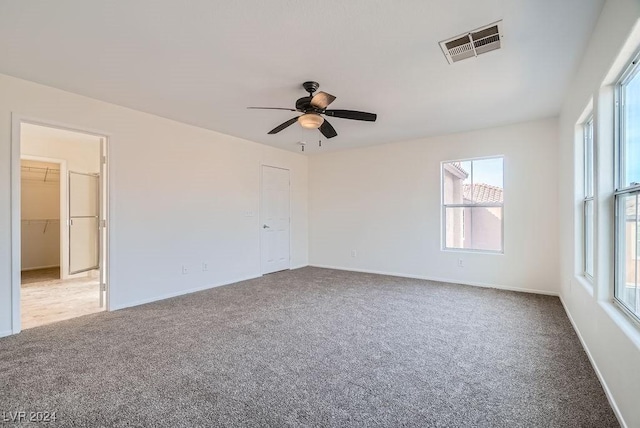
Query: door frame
{"points": [[262, 165], [16, 124]]}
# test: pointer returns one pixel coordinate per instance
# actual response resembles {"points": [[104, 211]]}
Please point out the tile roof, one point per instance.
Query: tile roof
{"points": [[630, 209], [482, 193]]}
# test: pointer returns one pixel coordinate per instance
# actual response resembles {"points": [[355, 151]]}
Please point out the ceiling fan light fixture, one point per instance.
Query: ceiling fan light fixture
{"points": [[311, 120], [313, 107]]}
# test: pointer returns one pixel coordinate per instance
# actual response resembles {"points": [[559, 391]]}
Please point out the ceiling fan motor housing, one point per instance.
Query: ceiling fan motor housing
{"points": [[311, 87]]}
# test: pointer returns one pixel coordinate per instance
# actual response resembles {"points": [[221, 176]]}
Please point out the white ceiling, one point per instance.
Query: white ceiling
{"points": [[204, 61]]}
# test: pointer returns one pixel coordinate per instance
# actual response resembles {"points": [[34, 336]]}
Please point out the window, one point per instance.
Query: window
{"points": [[587, 203], [627, 193], [472, 204]]}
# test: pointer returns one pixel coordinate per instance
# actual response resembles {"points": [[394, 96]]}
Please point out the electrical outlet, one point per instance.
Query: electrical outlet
{"points": [[354, 253], [205, 266], [460, 263], [184, 270]]}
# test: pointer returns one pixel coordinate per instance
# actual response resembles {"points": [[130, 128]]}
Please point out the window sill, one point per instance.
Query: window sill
{"points": [[629, 327], [585, 283], [470, 251]]}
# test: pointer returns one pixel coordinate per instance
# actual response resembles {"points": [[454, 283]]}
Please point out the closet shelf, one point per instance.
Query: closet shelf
{"points": [[45, 221], [40, 170]]}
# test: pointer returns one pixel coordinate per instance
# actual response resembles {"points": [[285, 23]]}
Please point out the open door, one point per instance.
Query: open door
{"points": [[84, 222]]}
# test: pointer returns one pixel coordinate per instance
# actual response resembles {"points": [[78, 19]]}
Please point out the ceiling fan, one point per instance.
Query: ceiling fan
{"points": [[312, 109]]}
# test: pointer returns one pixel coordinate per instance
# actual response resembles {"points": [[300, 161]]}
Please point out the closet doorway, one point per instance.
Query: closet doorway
{"points": [[62, 225]]}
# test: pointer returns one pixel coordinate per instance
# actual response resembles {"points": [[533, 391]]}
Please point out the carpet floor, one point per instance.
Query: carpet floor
{"points": [[312, 347]]}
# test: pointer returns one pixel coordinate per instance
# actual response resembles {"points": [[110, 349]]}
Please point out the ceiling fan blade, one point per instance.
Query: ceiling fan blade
{"points": [[321, 100], [352, 114], [327, 130], [271, 108], [283, 125]]}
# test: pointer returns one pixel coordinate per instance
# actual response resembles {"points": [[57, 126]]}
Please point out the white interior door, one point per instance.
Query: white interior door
{"points": [[84, 216], [275, 220]]}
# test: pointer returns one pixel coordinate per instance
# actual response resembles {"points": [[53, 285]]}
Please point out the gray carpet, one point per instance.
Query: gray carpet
{"points": [[312, 347]]}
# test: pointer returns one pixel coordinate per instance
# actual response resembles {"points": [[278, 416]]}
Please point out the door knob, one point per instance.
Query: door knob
{"points": [[264, 226]]}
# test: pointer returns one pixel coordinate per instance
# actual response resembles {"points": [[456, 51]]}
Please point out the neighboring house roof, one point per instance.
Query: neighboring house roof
{"points": [[630, 209], [455, 169], [482, 193]]}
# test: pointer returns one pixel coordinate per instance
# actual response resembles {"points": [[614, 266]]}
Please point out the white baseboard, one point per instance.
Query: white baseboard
{"points": [[448, 280], [605, 387], [298, 267], [39, 267], [6, 333], [178, 293]]}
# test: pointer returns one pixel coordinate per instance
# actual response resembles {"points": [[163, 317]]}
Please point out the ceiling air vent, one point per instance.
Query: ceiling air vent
{"points": [[474, 43]]}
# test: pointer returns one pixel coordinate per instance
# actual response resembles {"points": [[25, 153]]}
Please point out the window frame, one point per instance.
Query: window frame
{"points": [[589, 168], [621, 191], [444, 206]]}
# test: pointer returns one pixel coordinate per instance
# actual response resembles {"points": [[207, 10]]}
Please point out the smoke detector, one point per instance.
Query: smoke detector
{"points": [[473, 43]]}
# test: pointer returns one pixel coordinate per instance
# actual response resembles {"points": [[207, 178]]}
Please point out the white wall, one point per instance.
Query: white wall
{"points": [[610, 338], [81, 151], [178, 193], [384, 202], [40, 215]]}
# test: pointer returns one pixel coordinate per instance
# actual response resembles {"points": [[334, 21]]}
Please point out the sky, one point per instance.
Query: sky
{"points": [[632, 131], [487, 171]]}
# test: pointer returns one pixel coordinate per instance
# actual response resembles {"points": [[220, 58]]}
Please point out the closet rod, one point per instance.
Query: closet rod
{"points": [[45, 221], [38, 169]]}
